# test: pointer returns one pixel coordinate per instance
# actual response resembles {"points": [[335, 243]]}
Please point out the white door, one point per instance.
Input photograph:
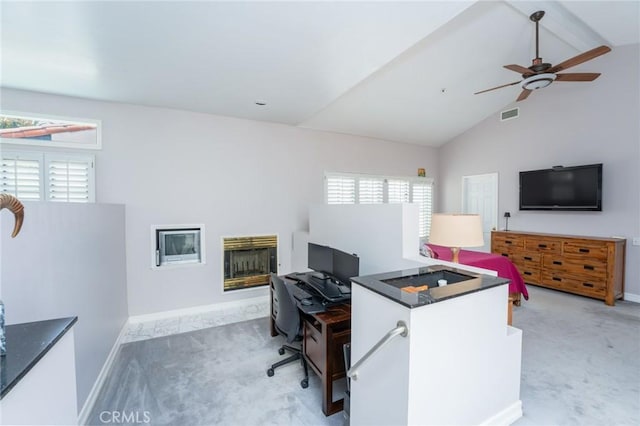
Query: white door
{"points": [[480, 196]]}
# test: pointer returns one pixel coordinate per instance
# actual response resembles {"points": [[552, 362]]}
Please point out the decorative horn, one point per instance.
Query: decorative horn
{"points": [[14, 205]]}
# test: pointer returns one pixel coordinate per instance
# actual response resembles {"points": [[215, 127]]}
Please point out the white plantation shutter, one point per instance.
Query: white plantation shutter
{"points": [[371, 190], [341, 190], [422, 194], [46, 176], [20, 175], [398, 191], [70, 179], [349, 188]]}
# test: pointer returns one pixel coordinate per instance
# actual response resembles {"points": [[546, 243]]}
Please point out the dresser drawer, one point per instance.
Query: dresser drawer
{"points": [[595, 251], [579, 285], [543, 245], [507, 241], [527, 259], [530, 275], [576, 266]]}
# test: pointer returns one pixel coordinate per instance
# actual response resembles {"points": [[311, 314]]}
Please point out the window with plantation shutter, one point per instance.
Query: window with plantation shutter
{"points": [[422, 194], [20, 175], [370, 191], [398, 191], [48, 176], [70, 180], [340, 190], [348, 188]]}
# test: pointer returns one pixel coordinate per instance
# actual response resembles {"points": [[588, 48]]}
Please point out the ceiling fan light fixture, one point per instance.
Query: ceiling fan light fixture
{"points": [[538, 81]]}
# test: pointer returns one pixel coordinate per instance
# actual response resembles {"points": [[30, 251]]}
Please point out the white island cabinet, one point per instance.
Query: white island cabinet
{"points": [[458, 364]]}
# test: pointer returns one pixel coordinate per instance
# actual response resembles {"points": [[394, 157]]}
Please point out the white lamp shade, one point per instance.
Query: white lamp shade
{"points": [[456, 230]]}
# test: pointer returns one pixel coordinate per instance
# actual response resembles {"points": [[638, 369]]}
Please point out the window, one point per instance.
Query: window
{"points": [[347, 188], [48, 176], [44, 130]]}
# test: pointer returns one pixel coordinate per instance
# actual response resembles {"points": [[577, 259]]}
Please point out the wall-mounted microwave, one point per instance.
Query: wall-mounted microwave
{"points": [[176, 246]]}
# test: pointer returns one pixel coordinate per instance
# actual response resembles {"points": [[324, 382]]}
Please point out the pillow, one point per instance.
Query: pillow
{"points": [[426, 251]]}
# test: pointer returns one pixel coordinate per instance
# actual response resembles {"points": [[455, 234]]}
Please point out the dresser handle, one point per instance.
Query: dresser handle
{"points": [[557, 262], [587, 285], [505, 254], [589, 267], [583, 250], [507, 242], [557, 279], [542, 246], [528, 258], [527, 273]]}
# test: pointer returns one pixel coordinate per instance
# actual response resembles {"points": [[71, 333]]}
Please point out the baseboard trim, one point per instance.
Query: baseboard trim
{"points": [[83, 416], [506, 416], [632, 297], [197, 310]]}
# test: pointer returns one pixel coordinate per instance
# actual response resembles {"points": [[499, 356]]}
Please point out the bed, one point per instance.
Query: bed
{"points": [[503, 266]]}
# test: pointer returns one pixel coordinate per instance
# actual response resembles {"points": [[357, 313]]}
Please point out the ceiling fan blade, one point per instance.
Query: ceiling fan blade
{"points": [[583, 57], [499, 87], [524, 95], [578, 76], [519, 69]]}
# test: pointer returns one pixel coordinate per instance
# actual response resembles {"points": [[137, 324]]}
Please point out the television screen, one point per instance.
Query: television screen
{"points": [[320, 258], [562, 188]]}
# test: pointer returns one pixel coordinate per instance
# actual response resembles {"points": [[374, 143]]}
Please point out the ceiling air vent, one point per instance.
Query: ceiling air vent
{"points": [[509, 114]]}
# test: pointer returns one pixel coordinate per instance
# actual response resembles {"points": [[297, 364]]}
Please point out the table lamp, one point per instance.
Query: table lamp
{"points": [[455, 231], [507, 215]]}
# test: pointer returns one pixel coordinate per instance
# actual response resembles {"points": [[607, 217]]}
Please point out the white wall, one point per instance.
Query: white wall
{"points": [[68, 260], [564, 124], [237, 177]]}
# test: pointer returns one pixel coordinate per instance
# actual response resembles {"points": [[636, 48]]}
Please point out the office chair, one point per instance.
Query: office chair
{"points": [[289, 325]]}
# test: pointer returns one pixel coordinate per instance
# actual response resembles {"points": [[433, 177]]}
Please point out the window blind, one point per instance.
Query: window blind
{"points": [[69, 181], [32, 175], [348, 188], [370, 191], [20, 177], [398, 191], [341, 190], [423, 196]]}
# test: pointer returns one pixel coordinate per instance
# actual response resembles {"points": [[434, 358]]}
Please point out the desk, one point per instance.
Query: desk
{"points": [[324, 335]]}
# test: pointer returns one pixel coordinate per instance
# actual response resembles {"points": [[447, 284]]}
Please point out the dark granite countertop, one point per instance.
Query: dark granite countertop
{"points": [[27, 343], [460, 282]]}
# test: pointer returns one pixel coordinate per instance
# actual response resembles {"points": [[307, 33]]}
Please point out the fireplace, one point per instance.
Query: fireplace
{"points": [[248, 261]]}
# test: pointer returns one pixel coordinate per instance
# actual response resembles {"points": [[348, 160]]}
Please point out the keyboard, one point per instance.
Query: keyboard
{"points": [[300, 294]]}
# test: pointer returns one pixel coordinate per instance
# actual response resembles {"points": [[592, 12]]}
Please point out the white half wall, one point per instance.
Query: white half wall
{"points": [[237, 177], [69, 260], [382, 235], [565, 124]]}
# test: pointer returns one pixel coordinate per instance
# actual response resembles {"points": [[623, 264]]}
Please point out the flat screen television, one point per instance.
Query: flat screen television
{"points": [[576, 188]]}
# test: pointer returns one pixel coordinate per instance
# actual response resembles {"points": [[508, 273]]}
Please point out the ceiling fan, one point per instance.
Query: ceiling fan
{"points": [[541, 74]]}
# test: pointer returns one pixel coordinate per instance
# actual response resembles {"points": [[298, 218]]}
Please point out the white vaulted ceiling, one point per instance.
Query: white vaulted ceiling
{"points": [[401, 71]]}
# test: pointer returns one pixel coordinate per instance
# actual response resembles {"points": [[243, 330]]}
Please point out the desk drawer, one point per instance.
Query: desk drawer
{"points": [[314, 346]]}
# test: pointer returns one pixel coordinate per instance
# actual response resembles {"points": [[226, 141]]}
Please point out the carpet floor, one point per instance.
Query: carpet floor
{"points": [[580, 366]]}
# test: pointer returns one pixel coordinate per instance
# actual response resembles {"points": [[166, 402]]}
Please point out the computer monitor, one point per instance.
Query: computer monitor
{"points": [[345, 266], [320, 258]]}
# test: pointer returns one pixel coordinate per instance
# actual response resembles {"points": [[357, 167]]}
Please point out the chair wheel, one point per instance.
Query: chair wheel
{"points": [[270, 372], [281, 351], [304, 383]]}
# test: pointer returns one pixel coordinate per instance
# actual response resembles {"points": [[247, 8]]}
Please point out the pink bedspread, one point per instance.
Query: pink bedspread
{"points": [[503, 266]]}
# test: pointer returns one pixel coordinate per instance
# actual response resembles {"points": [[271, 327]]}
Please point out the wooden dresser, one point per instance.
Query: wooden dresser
{"points": [[589, 266]]}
